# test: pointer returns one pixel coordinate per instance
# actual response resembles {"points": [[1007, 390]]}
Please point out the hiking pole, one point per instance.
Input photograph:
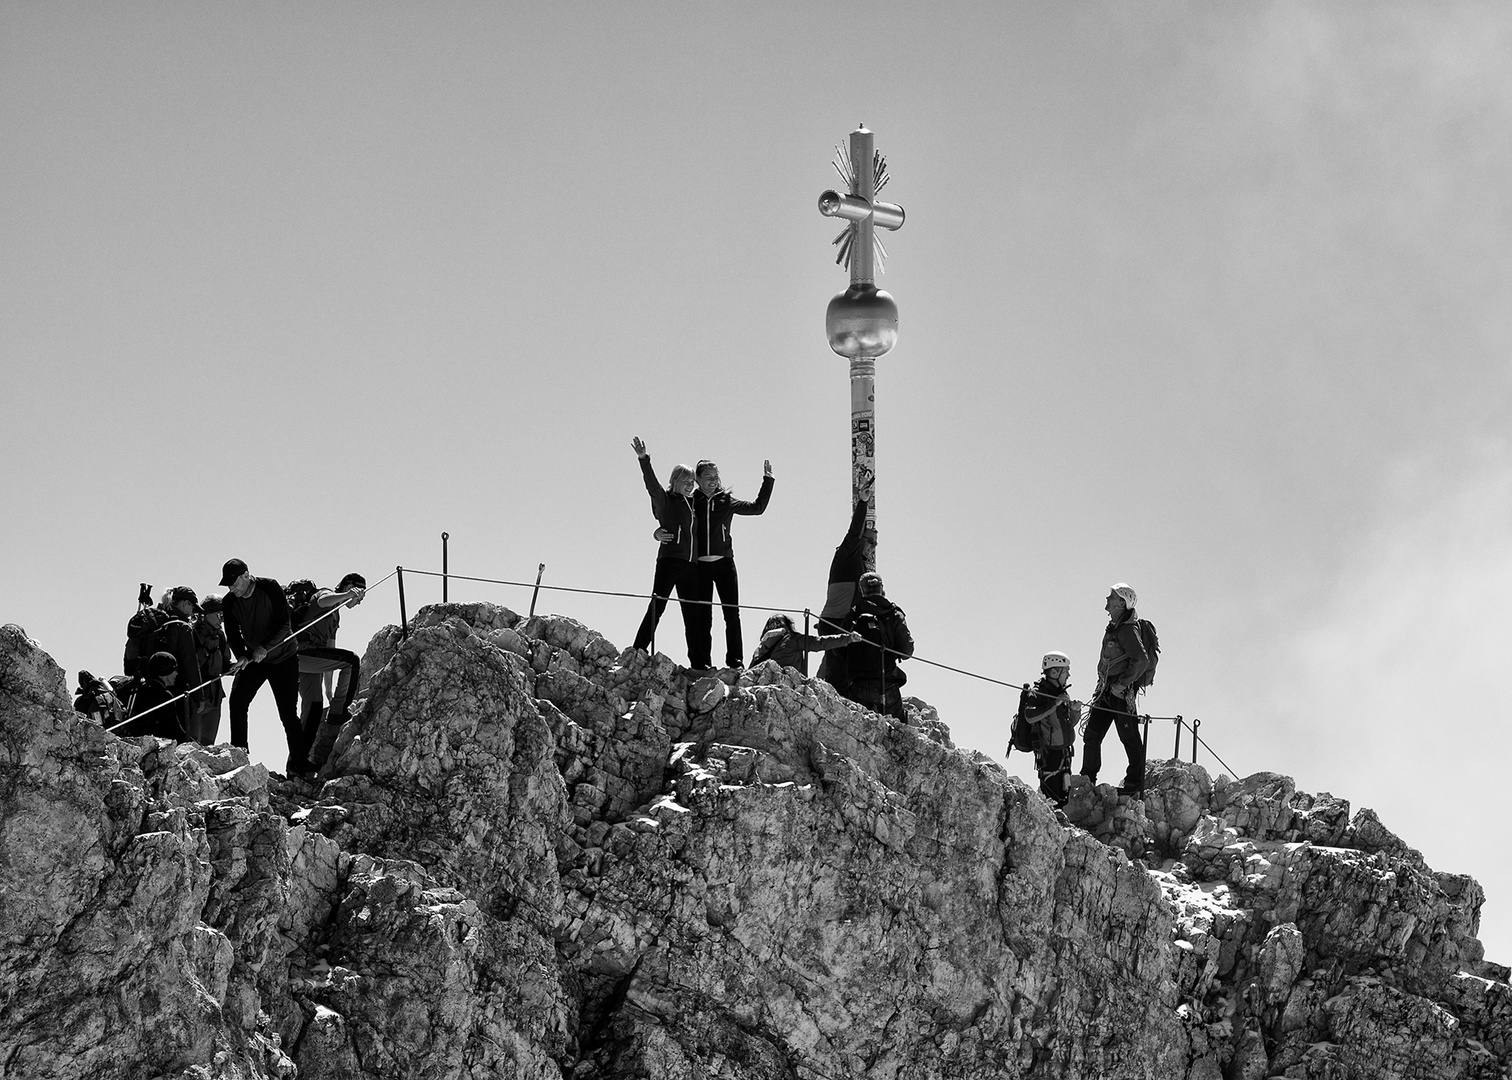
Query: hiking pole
{"points": [[537, 591], [444, 538]]}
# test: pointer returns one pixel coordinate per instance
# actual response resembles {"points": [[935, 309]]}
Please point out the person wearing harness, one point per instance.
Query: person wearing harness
{"points": [[867, 672], [1121, 666], [1052, 717], [676, 565], [713, 508]]}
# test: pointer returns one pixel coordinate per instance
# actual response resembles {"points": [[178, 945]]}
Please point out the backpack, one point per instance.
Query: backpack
{"points": [[1021, 735], [126, 688], [1151, 642], [144, 636], [867, 656], [97, 700]]}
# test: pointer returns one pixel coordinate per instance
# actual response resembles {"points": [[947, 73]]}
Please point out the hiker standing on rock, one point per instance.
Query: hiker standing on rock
{"points": [[713, 508], [214, 654], [1122, 667], [1049, 718], [676, 565], [315, 630], [868, 672], [258, 630]]}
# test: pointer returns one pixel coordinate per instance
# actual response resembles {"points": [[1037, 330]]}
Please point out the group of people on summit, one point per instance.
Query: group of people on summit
{"points": [[864, 635], [861, 631], [178, 650], [259, 632], [1048, 719]]}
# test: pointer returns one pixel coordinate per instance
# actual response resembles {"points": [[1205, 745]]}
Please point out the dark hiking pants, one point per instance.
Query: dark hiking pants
{"points": [[718, 574], [681, 575], [319, 726], [1110, 710], [283, 677]]}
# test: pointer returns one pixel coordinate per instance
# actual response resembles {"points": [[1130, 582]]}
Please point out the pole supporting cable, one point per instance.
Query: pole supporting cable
{"points": [[333, 609]]}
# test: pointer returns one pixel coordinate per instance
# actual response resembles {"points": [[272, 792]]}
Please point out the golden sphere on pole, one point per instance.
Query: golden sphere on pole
{"points": [[861, 322]]}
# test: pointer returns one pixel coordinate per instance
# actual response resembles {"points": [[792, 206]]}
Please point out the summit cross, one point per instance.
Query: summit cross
{"points": [[862, 322]]}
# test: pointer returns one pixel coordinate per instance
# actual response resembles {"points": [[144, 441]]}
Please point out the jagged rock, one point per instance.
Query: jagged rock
{"points": [[536, 856]]}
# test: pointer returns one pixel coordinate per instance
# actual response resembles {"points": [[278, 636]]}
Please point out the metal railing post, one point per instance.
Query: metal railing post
{"points": [[444, 538], [1176, 753], [403, 617], [537, 590], [1195, 724]]}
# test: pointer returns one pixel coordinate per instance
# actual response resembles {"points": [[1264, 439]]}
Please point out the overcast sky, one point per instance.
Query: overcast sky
{"points": [[1212, 299]]}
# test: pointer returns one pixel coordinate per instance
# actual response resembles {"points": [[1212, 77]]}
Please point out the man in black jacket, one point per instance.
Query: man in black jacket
{"points": [[868, 671], [257, 628]]}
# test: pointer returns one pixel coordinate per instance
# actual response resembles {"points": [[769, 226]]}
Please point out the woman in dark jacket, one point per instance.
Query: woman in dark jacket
{"points": [[713, 508], [676, 567], [786, 644]]}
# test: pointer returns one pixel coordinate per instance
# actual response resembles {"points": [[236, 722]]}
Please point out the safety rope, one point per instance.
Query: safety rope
{"points": [[1208, 748], [1178, 720], [333, 609], [1143, 718], [602, 592]]}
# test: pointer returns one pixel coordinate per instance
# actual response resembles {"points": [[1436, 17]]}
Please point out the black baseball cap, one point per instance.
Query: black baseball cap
{"points": [[233, 569]]}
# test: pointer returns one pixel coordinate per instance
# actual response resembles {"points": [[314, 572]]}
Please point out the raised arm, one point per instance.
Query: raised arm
{"points": [[653, 485], [740, 506]]}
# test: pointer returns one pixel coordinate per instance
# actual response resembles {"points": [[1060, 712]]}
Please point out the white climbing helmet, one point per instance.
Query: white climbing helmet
{"points": [[1126, 593], [1055, 659]]}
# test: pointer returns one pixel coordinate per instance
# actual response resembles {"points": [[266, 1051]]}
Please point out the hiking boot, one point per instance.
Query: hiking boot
{"points": [[1131, 792]]}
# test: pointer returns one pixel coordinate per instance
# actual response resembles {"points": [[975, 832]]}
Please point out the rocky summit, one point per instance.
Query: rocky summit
{"points": [[533, 855]]}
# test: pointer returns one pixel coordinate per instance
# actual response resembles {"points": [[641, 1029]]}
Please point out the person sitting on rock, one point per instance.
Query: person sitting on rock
{"points": [[782, 642], [867, 671], [153, 709], [1052, 718]]}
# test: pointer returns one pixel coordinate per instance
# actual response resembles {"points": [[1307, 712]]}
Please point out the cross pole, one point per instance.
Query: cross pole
{"points": [[862, 322]]}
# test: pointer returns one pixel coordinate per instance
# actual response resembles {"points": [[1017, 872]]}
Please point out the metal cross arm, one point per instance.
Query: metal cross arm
{"points": [[854, 208]]}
